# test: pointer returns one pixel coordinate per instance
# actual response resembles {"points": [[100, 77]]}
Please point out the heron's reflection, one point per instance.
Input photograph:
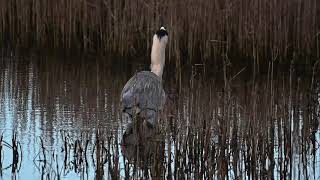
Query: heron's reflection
{"points": [[138, 142]]}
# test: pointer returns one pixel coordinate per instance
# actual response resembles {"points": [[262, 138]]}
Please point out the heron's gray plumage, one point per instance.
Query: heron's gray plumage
{"points": [[144, 95]]}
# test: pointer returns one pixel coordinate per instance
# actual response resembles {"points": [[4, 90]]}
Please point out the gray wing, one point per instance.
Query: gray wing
{"points": [[143, 91]]}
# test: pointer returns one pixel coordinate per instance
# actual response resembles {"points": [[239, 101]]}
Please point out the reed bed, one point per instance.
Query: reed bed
{"points": [[77, 155], [235, 125], [254, 131], [259, 30], [265, 129]]}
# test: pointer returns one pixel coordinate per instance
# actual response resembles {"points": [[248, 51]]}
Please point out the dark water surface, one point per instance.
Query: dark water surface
{"points": [[60, 119]]}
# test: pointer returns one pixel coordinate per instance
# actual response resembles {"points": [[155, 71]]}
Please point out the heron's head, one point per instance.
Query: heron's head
{"points": [[161, 37]]}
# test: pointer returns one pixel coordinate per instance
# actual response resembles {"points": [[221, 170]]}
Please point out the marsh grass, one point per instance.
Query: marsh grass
{"points": [[259, 30]]}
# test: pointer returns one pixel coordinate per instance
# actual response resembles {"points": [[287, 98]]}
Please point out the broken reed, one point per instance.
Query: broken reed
{"points": [[204, 28], [16, 154]]}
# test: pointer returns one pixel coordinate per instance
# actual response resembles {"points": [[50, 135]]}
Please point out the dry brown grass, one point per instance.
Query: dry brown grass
{"points": [[257, 29]]}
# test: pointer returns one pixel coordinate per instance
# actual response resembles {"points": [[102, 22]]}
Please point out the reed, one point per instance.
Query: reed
{"points": [[1, 139], [259, 30], [15, 147]]}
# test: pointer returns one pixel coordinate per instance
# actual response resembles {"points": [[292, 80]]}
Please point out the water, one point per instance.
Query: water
{"points": [[65, 116]]}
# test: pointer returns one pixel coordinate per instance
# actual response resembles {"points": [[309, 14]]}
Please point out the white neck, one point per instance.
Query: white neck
{"points": [[158, 55]]}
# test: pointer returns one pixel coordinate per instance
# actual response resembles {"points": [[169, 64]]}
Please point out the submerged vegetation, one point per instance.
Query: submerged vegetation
{"points": [[259, 30]]}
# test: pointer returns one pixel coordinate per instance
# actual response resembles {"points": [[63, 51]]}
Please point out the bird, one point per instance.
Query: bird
{"points": [[143, 95]]}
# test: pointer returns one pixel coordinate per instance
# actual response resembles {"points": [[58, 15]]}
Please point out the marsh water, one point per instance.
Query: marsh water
{"points": [[60, 119]]}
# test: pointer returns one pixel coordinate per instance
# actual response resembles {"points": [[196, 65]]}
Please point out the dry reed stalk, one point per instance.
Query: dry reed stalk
{"points": [[1, 139]]}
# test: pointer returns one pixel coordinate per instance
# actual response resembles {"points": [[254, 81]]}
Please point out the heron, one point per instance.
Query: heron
{"points": [[143, 96]]}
